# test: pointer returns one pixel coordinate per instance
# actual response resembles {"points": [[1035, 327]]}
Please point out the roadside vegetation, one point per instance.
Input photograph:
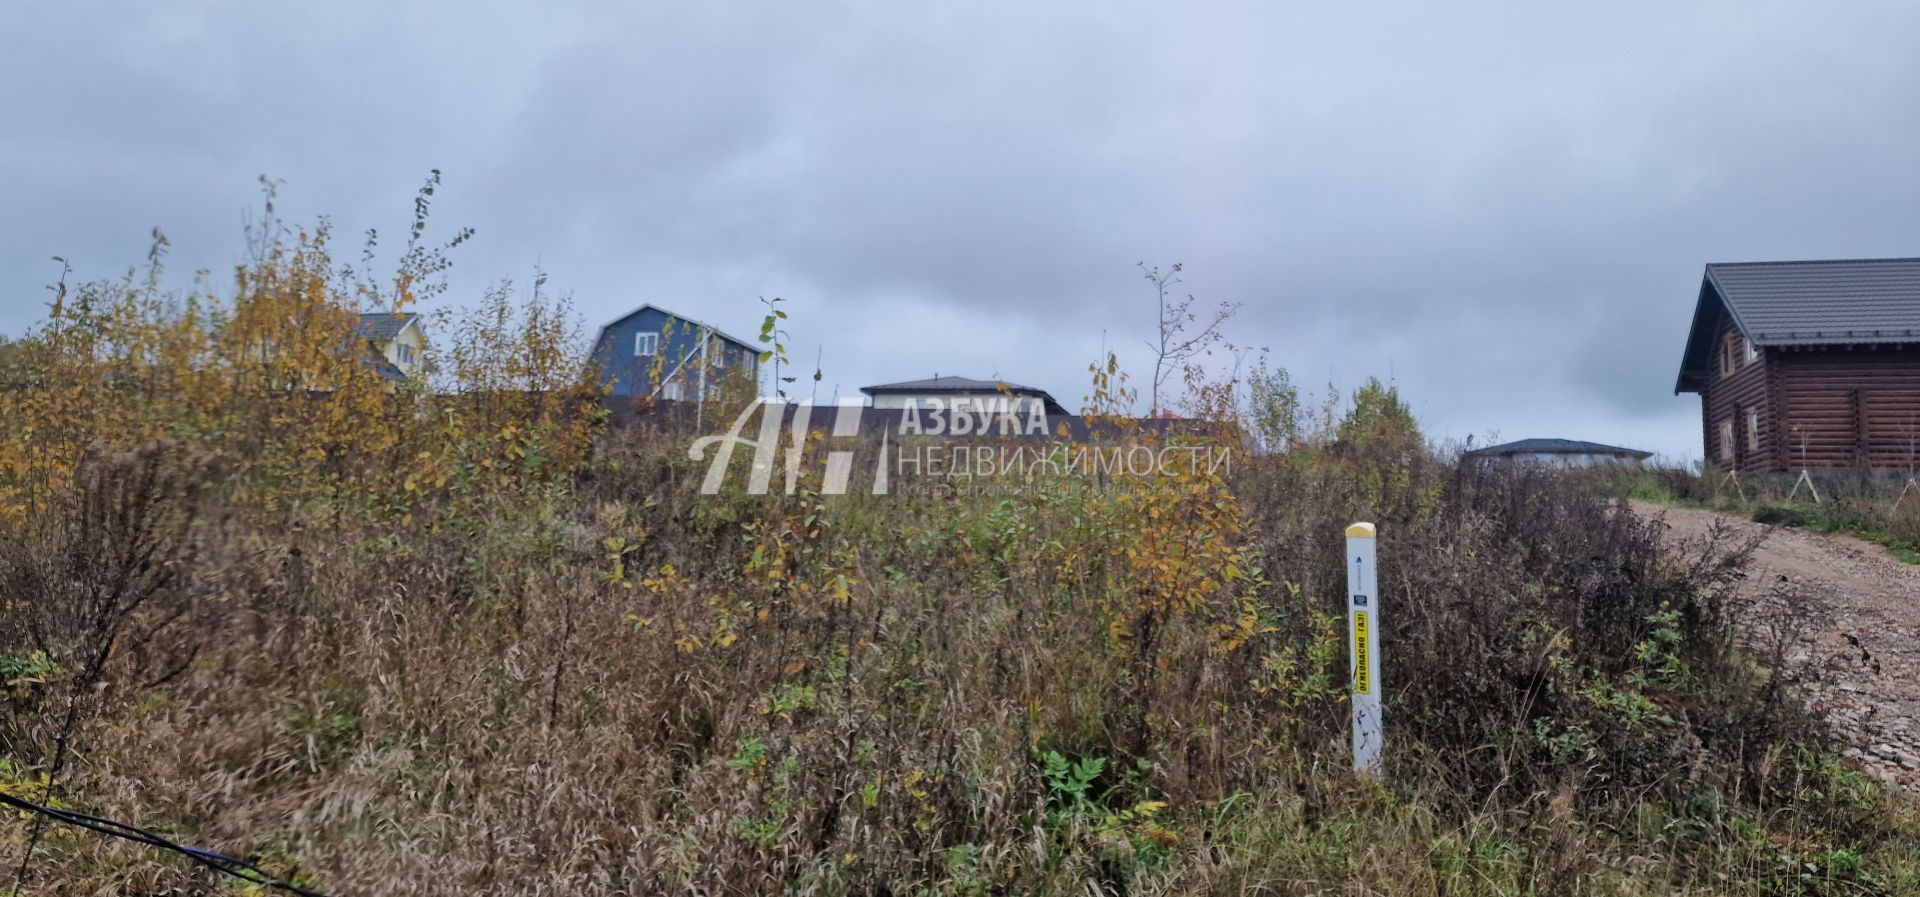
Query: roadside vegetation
{"points": [[463, 639], [1881, 508]]}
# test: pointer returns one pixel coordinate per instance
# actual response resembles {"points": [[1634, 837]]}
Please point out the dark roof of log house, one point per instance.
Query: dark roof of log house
{"points": [[1817, 303]]}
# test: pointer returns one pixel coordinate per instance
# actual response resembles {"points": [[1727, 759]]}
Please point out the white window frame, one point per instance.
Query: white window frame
{"points": [[1726, 439], [1752, 351], [1753, 430], [645, 344]]}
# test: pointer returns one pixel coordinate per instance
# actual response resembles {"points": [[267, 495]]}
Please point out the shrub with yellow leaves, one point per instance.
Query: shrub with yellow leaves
{"points": [[276, 379]]}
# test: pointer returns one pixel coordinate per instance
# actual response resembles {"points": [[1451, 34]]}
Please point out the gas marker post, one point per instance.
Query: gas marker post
{"points": [[1363, 647]]}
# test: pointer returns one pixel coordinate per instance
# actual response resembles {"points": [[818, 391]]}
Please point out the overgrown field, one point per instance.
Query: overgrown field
{"points": [[462, 641]]}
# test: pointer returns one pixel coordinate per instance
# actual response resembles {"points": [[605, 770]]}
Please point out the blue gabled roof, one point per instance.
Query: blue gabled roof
{"points": [[753, 347]]}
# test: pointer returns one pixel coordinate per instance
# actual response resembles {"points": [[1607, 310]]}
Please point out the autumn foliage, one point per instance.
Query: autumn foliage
{"points": [[271, 379]]}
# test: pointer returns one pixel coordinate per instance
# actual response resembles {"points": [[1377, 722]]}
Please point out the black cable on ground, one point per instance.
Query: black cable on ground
{"points": [[219, 862]]}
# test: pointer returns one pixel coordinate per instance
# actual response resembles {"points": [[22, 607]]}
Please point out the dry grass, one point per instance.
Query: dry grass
{"points": [[481, 701]]}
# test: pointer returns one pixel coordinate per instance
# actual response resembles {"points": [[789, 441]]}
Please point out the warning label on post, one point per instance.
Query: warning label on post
{"points": [[1362, 682]]}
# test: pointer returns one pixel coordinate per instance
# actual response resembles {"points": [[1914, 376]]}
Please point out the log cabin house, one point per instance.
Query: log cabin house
{"points": [[1807, 365]]}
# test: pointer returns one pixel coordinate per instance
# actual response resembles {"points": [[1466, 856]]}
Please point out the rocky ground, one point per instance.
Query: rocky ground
{"points": [[1858, 610]]}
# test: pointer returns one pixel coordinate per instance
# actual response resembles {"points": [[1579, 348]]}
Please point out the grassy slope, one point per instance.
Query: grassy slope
{"points": [[1874, 510]]}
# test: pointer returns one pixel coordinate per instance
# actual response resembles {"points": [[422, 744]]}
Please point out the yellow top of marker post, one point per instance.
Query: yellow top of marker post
{"points": [[1360, 531]]}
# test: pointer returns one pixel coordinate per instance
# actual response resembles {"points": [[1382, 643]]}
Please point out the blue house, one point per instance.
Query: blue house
{"points": [[653, 352]]}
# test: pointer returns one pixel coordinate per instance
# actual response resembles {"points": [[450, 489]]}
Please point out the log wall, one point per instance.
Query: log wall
{"points": [[1736, 387], [1848, 408]]}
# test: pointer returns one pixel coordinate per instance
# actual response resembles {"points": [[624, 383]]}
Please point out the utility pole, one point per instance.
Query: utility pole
{"points": [[815, 398], [700, 408]]}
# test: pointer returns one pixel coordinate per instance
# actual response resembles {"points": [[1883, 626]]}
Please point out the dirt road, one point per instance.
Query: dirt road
{"points": [[1866, 647]]}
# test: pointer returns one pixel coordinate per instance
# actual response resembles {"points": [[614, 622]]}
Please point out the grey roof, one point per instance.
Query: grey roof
{"points": [[1811, 303], [966, 385], [384, 325], [950, 384], [1558, 447], [381, 366]]}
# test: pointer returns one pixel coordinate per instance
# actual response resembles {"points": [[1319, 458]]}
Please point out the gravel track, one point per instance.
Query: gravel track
{"points": [[1865, 641]]}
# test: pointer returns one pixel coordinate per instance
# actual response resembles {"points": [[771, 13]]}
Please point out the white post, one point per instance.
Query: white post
{"points": [[1363, 647], [700, 410]]}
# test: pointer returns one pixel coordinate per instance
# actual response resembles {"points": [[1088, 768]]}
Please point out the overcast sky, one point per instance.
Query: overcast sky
{"points": [[1503, 207]]}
